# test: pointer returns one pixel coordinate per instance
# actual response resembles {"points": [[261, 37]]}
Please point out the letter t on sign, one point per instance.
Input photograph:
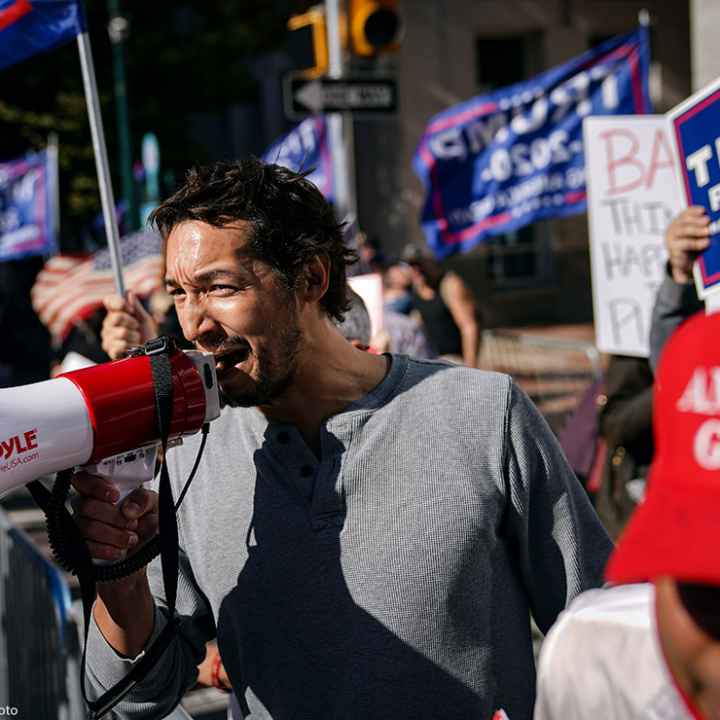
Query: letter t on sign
{"points": [[697, 163]]}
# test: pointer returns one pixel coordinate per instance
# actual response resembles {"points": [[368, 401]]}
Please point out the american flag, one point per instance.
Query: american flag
{"points": [[71, 288]]}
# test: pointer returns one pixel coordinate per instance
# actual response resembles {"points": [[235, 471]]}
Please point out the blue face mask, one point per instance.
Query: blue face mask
{"points": [[402, 304]]}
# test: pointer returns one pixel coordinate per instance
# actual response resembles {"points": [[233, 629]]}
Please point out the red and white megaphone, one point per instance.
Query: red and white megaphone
{"points": [[103, 418]]}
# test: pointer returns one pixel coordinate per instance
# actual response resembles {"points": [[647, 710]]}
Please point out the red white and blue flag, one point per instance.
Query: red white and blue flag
{"points": [[306, 148], [28, 27], [71, 288], [503, 160], [28, 209]]}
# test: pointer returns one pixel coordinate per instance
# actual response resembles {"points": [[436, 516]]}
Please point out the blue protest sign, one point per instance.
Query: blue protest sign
{"points": [[306, 147], [696, 134], [26, 207], [32, 26], [503, 160]]}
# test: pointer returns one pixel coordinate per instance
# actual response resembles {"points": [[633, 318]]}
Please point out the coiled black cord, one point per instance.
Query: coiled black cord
{"points": [[68, 545]]}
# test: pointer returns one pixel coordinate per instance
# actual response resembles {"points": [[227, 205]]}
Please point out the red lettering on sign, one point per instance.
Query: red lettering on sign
{"points": [[613, 140], [660, 145]]}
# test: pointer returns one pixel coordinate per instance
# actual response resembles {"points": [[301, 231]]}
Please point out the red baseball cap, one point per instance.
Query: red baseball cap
{"points": [[675, 531]]}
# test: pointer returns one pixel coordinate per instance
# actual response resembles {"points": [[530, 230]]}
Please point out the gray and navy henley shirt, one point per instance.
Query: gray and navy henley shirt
{"points": [[394, 576]]}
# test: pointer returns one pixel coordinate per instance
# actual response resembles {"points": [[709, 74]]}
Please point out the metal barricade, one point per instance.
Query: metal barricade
{"points": [[39, 652], [554, 372]]}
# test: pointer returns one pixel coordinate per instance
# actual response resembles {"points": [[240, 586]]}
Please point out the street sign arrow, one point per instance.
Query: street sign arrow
{"points": [[311, 96], [326, 95]]}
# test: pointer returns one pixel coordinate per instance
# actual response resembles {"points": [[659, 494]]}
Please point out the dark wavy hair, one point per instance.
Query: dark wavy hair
{"points": [[291, 220]]}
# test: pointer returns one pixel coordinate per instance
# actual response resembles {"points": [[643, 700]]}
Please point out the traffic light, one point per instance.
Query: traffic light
{"points": [[308, 42], [374, 26]]}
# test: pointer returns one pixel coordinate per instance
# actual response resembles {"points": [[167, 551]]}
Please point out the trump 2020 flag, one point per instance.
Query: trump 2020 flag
{"points": [[306, 147], [32, 26], [503, 160], [27, 206]]}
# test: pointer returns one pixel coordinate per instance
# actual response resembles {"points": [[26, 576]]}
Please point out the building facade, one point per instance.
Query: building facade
{"points": [[453, 50]]}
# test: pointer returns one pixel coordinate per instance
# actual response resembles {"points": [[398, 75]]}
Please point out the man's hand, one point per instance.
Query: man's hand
{"points": [[113, 531], [126, 324], [687, 236], [124, 611]]}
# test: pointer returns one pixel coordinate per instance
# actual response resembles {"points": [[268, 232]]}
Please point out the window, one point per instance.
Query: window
{"points": [[502, 60]]}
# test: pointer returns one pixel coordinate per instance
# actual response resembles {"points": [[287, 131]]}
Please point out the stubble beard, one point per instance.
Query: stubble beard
{"points": [[275, 370]]}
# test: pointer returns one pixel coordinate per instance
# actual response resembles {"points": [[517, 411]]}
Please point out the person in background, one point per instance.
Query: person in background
{"points": [[625, 422], [370, 257], [355, 326], [367, 534], [651, 651], [397, 288], [402, 331], [685, 238], [448, 311], [402, 334]]}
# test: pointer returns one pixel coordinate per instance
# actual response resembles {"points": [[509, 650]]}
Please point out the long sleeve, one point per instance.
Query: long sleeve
{"points": [[626, 418], [674, 303], [176, 671], [559, 542]]}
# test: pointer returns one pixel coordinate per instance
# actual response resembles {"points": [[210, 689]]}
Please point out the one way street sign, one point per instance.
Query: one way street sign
{"points": [[326, 95]]}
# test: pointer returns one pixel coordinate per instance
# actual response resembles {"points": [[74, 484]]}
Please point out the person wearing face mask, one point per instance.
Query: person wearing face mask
{"points": [[648, 648], [367, 534]]}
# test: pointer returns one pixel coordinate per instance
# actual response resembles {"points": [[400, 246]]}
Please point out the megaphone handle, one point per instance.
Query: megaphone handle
{"points": [[127, 471]]}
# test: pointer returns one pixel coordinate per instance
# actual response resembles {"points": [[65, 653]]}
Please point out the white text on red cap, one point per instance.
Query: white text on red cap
{"points": [[702, 393]]}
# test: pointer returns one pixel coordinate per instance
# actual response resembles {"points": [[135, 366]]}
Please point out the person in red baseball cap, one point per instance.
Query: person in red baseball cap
{"points": [[649, 647]]}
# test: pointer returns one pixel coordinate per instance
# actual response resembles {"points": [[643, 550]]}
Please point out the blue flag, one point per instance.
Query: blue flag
{"points": [[32, 26], [27, 210], [503, 160], [306, 147]]}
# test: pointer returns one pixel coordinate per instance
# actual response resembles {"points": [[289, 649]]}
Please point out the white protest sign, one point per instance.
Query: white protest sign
{"points": [[370, 289], [633, 194]]}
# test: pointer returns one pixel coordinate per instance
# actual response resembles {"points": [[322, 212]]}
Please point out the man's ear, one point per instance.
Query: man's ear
{"points": [[317, 279]]}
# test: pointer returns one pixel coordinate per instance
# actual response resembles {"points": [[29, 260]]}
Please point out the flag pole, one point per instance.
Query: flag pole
{"points": [[53, 153], [101, 160]]}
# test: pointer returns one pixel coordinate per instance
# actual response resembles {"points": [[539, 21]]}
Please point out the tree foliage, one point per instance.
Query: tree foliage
{"points": [[181, 58]]}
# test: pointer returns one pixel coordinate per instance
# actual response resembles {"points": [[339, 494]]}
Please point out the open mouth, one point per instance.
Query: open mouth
{"points": [[231, 358]]}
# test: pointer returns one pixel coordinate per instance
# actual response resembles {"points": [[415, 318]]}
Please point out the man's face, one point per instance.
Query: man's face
{"points": [[233, 305], [692, 655]]}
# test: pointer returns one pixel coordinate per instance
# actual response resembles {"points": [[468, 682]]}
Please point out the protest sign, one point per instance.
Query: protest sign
{"points": [[633, 194], [27, 197], [503, 160], [369, 287], [695, 130], [304, 148]]}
